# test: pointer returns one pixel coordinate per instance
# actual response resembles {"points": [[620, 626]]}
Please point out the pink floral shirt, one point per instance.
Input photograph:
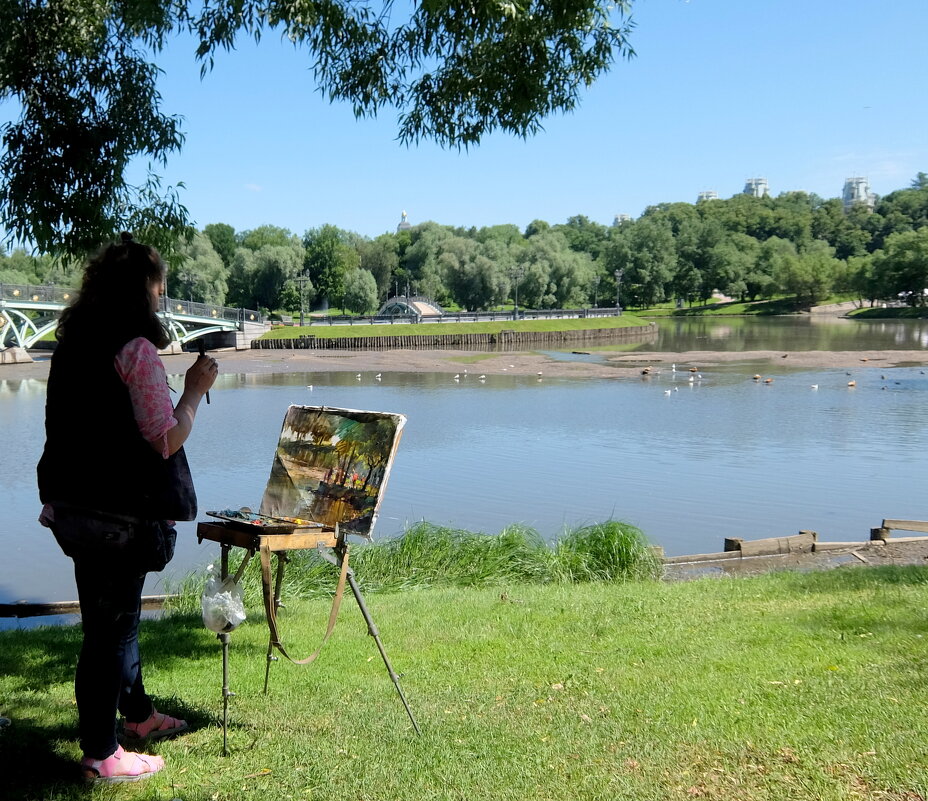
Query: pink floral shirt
{"points": [[140, 368]]}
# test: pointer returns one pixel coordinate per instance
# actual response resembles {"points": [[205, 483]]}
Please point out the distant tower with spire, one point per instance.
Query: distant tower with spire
{"points": [[857, 193], [403, 224], [756, 187]]}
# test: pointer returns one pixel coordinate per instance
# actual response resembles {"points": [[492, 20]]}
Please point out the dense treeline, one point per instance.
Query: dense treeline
{"points": [[795, 245]]}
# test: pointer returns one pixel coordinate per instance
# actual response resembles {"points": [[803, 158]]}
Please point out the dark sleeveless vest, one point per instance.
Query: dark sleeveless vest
{"points": [[94, 455]]}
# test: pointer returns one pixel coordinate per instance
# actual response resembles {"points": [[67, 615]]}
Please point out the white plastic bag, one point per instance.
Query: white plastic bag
{"points": [[222, 603]]}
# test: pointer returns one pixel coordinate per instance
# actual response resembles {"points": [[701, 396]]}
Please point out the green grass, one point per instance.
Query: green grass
{"points": [[809, 687], [428, 555], [758, 308], [761, 308], [324, 331], [894, 312]]}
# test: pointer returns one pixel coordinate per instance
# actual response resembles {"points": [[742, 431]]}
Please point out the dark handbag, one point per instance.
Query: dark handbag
{"points": [[158, 549], [142, 546]]}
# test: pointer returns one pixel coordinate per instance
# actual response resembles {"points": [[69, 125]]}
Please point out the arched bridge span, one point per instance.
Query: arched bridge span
{"points": [[29, 312]]}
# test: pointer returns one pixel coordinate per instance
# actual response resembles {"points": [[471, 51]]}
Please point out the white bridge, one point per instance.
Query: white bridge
{"points": [[29, 312]]}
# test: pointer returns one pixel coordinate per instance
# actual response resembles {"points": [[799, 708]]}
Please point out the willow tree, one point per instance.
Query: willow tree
{"points": [[81, 76]]}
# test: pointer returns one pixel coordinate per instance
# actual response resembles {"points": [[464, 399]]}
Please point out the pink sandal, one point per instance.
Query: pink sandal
{"points": [[122, 766], [156, 727]]}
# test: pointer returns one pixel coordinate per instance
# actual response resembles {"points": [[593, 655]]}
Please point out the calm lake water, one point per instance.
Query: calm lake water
{"points": [[718, 457]]}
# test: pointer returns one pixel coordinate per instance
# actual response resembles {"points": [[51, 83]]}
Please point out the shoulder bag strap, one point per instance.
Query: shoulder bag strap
{"points": [[271, 611]]}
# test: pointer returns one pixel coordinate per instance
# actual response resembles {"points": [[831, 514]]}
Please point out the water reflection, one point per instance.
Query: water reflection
{"points": [[805, 332], [691, 462], [23, 387]]}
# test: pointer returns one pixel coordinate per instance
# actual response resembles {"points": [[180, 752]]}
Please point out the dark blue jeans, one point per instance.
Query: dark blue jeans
{"points": [[109, 671]]}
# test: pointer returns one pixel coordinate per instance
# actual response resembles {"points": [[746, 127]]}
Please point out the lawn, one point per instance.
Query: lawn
{"points": [[785, 686], [322, 330]]}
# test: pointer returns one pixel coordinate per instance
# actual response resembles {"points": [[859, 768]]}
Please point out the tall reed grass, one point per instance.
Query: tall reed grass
{"points": [[429, 555]]}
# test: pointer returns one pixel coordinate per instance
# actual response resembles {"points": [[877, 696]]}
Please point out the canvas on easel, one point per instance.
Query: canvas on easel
{"points": [[332, 465], [327, 479]]}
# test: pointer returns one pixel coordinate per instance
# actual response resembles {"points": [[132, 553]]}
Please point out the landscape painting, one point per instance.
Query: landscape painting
{"points": [[332, 466]]}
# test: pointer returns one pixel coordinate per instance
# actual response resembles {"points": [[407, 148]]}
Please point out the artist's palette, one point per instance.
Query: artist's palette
{"points": [[245, 519]]}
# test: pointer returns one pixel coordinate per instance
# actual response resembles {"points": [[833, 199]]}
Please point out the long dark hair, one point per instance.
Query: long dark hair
{"points": [[114, 303]]}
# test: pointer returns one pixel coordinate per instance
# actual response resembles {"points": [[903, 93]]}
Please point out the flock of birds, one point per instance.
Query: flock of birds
{"points": [[456, 378], [695, 376]]}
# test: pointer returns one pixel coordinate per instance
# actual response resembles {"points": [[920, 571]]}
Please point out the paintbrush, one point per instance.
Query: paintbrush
{"points": [[203, 353]]}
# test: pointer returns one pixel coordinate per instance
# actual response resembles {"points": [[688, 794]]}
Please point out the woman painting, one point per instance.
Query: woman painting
{"points": [[113, 478]]}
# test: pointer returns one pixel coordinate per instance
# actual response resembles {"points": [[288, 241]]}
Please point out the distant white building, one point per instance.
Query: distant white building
{"points": [[709, 194], [857, 193], [621, 218], [403, 224], [756, 187]]}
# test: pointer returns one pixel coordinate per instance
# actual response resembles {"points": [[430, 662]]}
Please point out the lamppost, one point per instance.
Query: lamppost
{"points": [[517, 273], [618, 283], [595, 289], [188, 278], [301, 280]]}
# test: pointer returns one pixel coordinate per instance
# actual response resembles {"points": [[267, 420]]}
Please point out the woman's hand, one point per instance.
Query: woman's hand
{"points": [[201, 375], [197, 381]]}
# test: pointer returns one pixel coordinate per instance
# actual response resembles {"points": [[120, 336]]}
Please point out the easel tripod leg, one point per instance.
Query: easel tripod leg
{"points": [[224, 639], [278, 582], [372, 630], [226, 692]]}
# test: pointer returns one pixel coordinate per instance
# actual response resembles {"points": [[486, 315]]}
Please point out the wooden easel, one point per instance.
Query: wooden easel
{"points": [[332, 547]]}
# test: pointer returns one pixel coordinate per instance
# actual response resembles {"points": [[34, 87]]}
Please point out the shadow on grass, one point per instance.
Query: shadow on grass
{"points": [[47, 655], [38, 761], [31, 761], [39, 752]]}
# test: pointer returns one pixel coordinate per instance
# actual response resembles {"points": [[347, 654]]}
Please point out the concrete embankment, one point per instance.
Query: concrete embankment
{"points": [[460, 341], [14, 356], [804, 551]]}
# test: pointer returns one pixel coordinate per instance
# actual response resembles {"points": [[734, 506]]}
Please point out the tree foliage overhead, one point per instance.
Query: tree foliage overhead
{"points": [[84, 76], [88, 105]]}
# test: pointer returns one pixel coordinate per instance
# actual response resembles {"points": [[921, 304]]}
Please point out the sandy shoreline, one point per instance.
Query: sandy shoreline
{"points": [[616, 364], [610, 365]]}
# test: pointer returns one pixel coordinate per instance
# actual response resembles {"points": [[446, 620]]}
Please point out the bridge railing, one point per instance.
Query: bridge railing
{"points": [[50, 293], [37, 293], [191, 308]]}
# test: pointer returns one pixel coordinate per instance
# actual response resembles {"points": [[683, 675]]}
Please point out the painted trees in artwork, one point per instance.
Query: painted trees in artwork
{"points": [[367, 442]]}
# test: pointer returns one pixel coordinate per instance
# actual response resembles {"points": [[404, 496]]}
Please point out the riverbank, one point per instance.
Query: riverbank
{"points": [[911, 552], [527, 363], [611, 364]]}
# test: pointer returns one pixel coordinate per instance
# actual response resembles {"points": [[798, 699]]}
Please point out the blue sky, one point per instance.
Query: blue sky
{"points": [[805, 93]]}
